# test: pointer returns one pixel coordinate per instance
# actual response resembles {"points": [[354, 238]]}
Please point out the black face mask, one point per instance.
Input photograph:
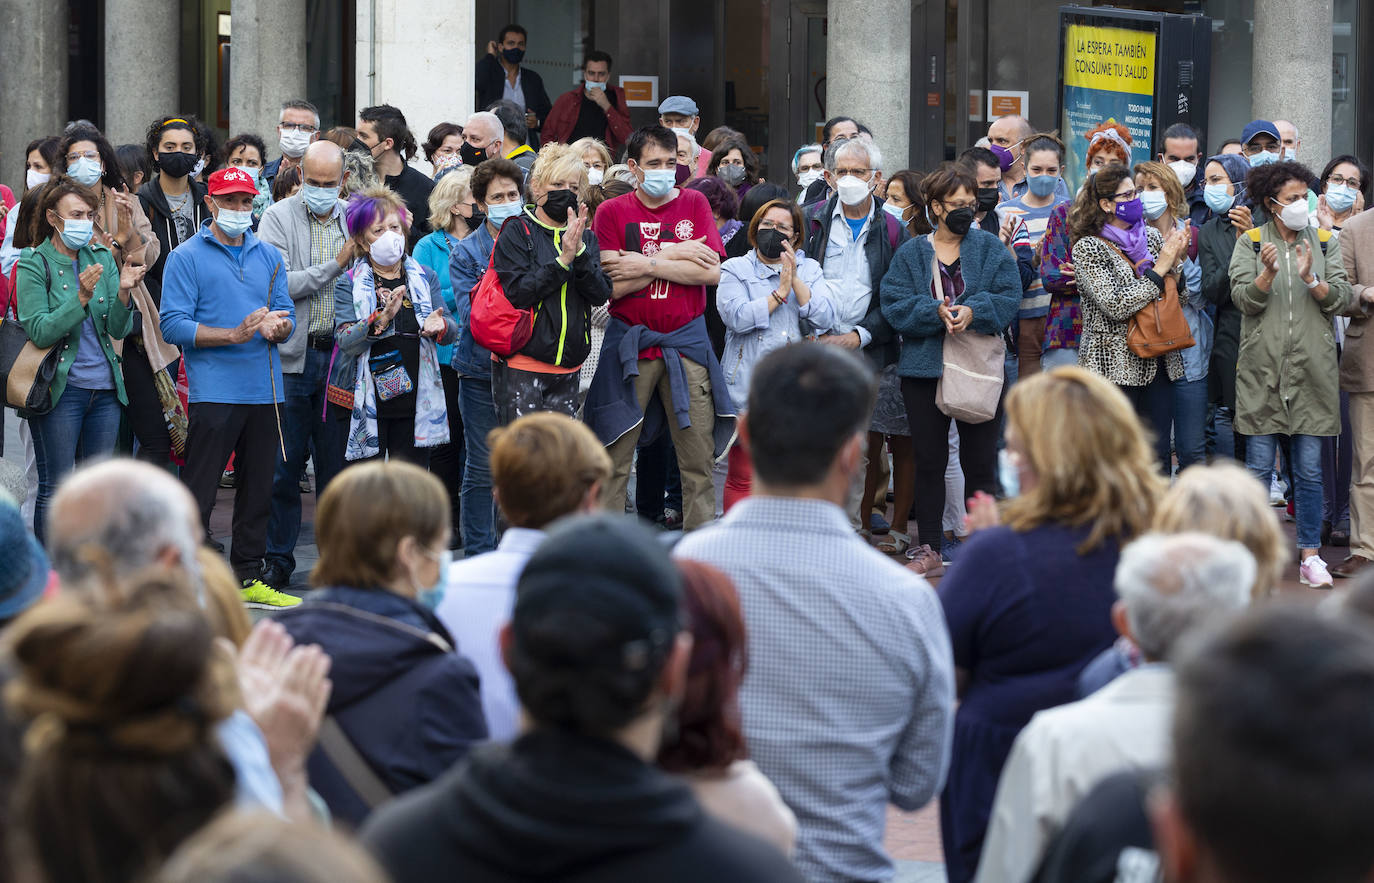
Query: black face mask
{"points": [[558, 203], [477, 220], [958, 221], [514, 56], [987, 199], [472, 155], [770, 243], [178, 164]]}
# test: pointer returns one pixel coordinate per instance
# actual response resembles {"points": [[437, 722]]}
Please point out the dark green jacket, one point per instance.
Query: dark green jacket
{"points": [[54, 317]]}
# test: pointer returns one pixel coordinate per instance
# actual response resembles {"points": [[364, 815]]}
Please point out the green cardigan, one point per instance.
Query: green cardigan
{"points": [[55, 318]]}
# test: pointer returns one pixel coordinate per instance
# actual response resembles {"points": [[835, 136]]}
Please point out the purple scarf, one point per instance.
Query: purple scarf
{"points": [[1135, 242]]}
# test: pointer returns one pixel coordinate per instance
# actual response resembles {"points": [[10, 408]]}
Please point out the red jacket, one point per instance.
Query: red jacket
{"points": [[561, 121]]}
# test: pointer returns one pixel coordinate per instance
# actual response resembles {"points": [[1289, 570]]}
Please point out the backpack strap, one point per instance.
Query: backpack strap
{"points": [[351, 764]]}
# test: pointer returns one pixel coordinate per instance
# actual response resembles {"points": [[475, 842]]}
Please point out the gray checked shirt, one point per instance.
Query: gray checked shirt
{"points": [[848, 703]]}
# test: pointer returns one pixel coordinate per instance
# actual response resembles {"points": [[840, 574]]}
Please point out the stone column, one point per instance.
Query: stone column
{"points": [[266, 63], [418, 55], [140, 84], [33, 79], [1291, 79], [868, 70]]}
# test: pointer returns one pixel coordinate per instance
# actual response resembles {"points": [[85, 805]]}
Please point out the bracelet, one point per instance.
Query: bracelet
{"points": [[1316, 280]]}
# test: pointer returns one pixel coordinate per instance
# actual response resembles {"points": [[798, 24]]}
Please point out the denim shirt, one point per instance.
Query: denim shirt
{"points": [[1197, 357], [751, 332]]}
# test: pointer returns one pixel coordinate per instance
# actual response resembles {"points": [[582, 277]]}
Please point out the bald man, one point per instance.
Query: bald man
{"points": [[309, 231]]}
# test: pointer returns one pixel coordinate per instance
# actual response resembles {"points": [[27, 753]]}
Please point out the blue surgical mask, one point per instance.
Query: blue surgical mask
{"points": [[898, 213], [430, 596], [658, 183], [251, 171], [85, 171], [1155, 203], [1042, 185], [320, 200], [501, 212], [233, 224], [77, 233], [1264, 158], [600, 87], [1217, 199], [1340, 197]]}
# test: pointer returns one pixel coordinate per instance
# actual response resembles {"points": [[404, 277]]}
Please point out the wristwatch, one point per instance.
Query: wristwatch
{"points": [[1316, 280]]}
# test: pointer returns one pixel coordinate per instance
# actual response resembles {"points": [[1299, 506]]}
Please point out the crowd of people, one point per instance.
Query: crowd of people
{"points": [[1093, 406]]}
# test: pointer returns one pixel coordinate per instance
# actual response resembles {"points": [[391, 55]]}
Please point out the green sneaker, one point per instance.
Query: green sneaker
{"points": [[260, 595]]}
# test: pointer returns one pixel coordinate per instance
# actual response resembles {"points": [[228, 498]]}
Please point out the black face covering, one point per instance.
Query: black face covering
{"points": [[770, 243], [958, 221], [477, 220], [177, 164], [472, 155], [558, 203], [987, 199]]}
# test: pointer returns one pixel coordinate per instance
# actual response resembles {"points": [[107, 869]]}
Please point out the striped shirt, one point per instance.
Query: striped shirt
{"points": [[1035, 300], [326, 240]]}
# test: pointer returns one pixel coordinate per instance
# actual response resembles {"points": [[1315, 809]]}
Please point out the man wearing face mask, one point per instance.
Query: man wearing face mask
{"points": [[1261, 143], [1290, 140], [661, 248], [483, 139], [298, 125], [514, 135], [835, 129], [680, 115], [226, 303], [309, 231], [499, 76], [808, 167], [596, 109], [383, 129], [1181, 150]]}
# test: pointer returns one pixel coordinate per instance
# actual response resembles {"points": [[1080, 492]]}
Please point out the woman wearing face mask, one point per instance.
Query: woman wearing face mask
{"points": [[763, 299], [1224, 192], [980, 290], [404, 698], [249, 152], [807, 167], [389, 315], [1184, 404], [1044, 160], [1288, 280], [173, 200], [595, 156], [40, 158], [548, 261], [122, 227], [1342, 191], [73, 295], [736, 164], [1120, 264]]}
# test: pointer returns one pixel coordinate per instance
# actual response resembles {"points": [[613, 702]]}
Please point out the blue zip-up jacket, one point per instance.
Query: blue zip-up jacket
{"points": [[992, 289], [467, 262], [206, 283]]}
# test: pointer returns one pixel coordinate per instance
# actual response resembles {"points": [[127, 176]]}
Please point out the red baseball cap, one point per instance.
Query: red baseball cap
{"points": [[232, 180]]}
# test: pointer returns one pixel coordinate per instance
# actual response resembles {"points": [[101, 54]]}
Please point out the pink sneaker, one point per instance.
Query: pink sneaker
{"points": [[1313, 573], [926, 562]]}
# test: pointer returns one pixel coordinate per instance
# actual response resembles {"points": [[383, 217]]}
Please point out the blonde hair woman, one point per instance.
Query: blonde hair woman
{"points": [[1225, 500], [595, 156], [1029, 602], [548, 261]]}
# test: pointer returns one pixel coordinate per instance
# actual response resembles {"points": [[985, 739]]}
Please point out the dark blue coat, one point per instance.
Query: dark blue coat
{"points": [[404, 697]]}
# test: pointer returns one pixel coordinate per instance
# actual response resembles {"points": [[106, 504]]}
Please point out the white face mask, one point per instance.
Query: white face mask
{"points": [[1185, 170], [852, 190], [684, 133], [1294, 215], [34, 178], [595, 176], [293, 143], [808, 177], [388, 249]]}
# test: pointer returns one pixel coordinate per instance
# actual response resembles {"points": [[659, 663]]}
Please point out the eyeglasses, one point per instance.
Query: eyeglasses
{"points": [[858, 173], [955, 206], [1126, 196], [1352, 183], [772, 225], [92, 154], [293, 127]]}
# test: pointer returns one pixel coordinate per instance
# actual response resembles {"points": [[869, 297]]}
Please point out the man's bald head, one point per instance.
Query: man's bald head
{"points": [[1009, 130], [122, 515], [323, 165]]}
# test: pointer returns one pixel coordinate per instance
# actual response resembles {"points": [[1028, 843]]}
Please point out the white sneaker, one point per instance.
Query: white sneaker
{"points": [[1313, 573]]}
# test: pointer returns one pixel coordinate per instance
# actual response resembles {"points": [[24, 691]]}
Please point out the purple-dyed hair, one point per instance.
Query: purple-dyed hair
{"points": [[366, 207], [724, 202]]}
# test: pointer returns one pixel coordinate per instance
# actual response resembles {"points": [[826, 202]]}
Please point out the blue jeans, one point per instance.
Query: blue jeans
{"points": [[479, 418], [1058, 358], [1260, 451], [84, 424], [1181, 405], [301, 422]]}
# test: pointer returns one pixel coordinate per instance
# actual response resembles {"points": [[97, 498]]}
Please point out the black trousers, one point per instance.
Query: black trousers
{"points": [[396, 441], [249, 432], [144, 412], [446, 461], [930, 440]]}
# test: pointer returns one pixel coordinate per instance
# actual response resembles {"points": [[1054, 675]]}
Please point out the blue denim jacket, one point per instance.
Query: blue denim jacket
{"points": [[1197, 357], [468, 260]]}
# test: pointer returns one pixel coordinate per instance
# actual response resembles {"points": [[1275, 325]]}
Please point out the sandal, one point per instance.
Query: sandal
{"points": [[895, 543]]}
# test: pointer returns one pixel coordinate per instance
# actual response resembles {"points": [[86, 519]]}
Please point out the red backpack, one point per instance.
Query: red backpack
{"points": [[496, 323]]}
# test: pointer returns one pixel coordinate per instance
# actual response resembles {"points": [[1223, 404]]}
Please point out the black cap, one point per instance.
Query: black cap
{"points": [[608, 578]]}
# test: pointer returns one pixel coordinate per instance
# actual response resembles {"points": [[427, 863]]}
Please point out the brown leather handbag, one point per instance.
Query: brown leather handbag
{"points": [[1160, 326]]}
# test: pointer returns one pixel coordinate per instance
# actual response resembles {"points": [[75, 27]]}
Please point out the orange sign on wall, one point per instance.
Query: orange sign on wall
{"points": [[1004, 103], [640, 91]]}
